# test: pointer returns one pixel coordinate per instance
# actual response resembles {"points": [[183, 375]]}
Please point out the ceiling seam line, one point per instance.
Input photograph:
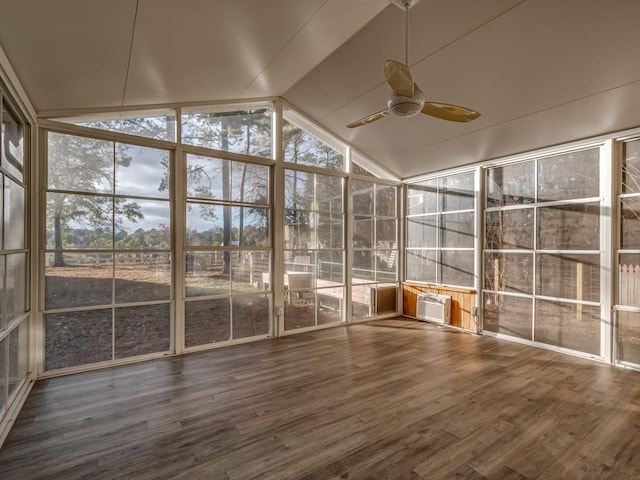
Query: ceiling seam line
{"points": [[133, 31], [463, 36], [428, 56], [282, 49], [575, 100]]}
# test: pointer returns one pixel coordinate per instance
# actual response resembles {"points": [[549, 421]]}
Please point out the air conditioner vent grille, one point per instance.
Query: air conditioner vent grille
{"points": [[434, 308]]}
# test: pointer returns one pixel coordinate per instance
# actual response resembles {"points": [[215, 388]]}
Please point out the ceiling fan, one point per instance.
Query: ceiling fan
{"points": [[407, 99]]}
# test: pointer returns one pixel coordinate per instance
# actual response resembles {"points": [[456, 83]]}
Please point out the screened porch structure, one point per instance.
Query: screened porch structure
{"points": [[158, 220]]}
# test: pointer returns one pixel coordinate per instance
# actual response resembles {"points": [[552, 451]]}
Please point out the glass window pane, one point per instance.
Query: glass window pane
{"points": [[77, 338], [509, 229], [631, 167], [362, 197], [630, 222], [79, 164], [207, 321], [423, 198], [329, 305], [358, 170], [363, 232], [205, 225], [330, 267], [12, 147], [507, 315], [252, 224], [511, 185], [330, 233], [156, 125], [250, 315], [299, 189], [208, 177], [628, 337], [457, 267], [299, 310], [422, 232], [385, 233], [303, 148], [80, 280], [208, 273], [14, 215], [249, 183], [569, 227], [458, 192], [217, 179], [141, 171], [142, 224], [18, 357], [244, 277], [16, 285], [297, 229], [297, 261], [364, 266], [457, 230], [386, 265], [329, 192], [568, 325], [142, 277], [629, 279], [422, 265], [568, 276], [509, 272], [247, 131], [142, 330], [260, 266], [80, 221], [570, 175], [385, 201], [361, 305]]}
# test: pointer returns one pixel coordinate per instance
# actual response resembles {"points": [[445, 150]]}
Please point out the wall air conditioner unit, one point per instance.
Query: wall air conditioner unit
{"points": [[435, 308]]}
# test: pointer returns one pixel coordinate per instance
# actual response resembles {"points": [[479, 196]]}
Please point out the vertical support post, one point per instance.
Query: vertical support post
{"points": [[579, 279], [277, 221], [609, 179]]}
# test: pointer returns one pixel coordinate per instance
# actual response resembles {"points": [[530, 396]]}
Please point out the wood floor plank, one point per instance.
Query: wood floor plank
{"points": [[392, 399]]}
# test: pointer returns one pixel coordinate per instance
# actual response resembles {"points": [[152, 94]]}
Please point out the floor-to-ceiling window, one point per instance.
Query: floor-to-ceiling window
{"points": [[441, 230], [314, 219], [14, 256], [374, 269], [227, 250], [107, 257], [227, 234], [158, 232], [627, 338], [542, 252]]}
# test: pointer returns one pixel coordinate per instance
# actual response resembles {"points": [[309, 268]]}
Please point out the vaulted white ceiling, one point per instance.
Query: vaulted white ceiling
{"points": [[541, 72]]}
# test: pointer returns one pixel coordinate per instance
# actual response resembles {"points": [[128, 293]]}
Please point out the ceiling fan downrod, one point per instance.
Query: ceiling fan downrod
{"points": [[407, 5]]}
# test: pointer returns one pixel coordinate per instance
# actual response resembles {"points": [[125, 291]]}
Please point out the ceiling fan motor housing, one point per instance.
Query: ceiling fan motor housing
{"points": [[405, 106]]}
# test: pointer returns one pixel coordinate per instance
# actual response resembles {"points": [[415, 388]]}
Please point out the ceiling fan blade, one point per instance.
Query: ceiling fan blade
{"points": [[369, 118], [399, 78], [453, 113]]}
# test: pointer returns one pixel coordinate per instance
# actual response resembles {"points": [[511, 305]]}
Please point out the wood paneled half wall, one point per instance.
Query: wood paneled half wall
{"points": [[462, 301]]}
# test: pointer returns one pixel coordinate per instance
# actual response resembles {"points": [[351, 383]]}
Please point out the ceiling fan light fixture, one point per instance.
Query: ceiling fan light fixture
{"points": [[404, 106], [407, 100]]}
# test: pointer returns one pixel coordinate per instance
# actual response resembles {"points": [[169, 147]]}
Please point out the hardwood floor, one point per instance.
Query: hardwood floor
{"points": [[392, 399]]}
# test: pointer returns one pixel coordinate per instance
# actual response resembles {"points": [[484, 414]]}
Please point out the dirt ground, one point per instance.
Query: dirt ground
{"points": [[90, 334]]}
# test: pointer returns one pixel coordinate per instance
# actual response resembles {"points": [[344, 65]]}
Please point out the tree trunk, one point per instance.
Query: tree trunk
{"points": [[242, 181], [58, 257], [226, 210]]}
